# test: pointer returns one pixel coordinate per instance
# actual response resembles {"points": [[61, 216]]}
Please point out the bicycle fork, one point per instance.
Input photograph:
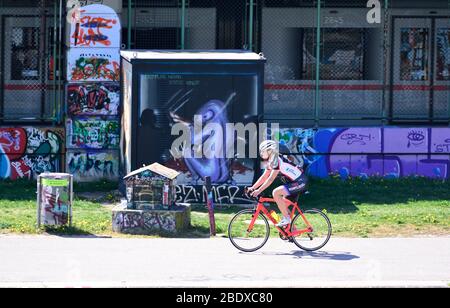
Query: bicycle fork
{"points": [[309, 229], [252, 223]]}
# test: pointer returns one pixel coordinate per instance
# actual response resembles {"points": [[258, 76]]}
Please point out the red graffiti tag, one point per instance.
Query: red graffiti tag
{"points": [[13, 141], [20, 170], [93, 35]]}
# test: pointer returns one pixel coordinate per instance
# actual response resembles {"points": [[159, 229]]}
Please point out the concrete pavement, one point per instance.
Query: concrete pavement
{"points": [[51, 261]]}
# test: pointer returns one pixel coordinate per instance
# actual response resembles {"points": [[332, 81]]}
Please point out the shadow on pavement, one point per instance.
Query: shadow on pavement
{"points": [[323, 255], [329, 255]]}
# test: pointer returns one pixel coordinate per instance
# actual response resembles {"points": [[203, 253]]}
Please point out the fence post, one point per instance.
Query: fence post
{"points": [[61, 105], [129, 23], [38, 205], [183, 26], [210, 205], [448, 93], [55, 42], [250, 26], [42, 55], [317, 92], [385, 62]]}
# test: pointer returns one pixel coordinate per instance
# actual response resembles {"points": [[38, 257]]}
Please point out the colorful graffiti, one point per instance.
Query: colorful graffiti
{"points": [[212, 113], [93, 69], [26, 152], [147, 222], [239, 171], [55, 205], [347, 152], [160, 221], [92, 133], [222, 194], [96, 30], [93, 64], [93, 99], [89, 166], [221, 169], [363, 152]]}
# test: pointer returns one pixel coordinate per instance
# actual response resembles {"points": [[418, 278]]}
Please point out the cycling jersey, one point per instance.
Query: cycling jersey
{"points": [[287, 170], [291, 177]]}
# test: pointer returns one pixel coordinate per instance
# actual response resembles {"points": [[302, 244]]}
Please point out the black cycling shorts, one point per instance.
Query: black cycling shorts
{"points": [[291, 188], [297, 186]]}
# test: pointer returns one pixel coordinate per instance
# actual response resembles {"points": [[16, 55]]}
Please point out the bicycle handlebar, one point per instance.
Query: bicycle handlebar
{"points": [[248, 196], [258, 198]]}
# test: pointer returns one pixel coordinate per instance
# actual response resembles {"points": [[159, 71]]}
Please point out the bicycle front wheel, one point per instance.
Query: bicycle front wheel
{"points": [[316, 237], [245, 237]]}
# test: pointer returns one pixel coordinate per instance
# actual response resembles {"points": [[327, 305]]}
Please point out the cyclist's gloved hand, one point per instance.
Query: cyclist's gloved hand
{"points": [[255, 193]]}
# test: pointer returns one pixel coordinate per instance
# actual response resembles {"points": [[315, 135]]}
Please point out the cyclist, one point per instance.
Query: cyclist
{"points": [[280, 172]]}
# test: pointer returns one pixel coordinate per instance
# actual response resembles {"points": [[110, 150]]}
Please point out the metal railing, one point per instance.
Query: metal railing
{"points": [[31, 63], [358, 62], [327, 61]]}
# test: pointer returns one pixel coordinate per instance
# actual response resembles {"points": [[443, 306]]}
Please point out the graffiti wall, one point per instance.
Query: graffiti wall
{"points": [[93, 64], [26, 152], [92, 133], [224, 171], [390, 152], [88, 165], [148, 222], [99, 26], [93, 98], [217, 100], [363, 152], [222, 194], [93, 90]]}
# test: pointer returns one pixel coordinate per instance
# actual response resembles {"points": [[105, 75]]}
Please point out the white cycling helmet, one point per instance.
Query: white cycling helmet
{"points": [[269, 145]]}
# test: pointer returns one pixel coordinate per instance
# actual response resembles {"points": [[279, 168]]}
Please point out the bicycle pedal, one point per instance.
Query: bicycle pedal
{"points": [[283, 237]]}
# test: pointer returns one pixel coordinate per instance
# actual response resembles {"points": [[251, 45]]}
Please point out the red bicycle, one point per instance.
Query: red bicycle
{"points": [[249, 229]]}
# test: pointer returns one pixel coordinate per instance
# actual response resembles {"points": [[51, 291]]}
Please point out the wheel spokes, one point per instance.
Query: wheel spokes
{"points": [[248, 233]]}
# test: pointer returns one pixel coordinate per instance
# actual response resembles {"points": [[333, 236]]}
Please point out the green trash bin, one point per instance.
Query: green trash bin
{"points": [[54, 199]]}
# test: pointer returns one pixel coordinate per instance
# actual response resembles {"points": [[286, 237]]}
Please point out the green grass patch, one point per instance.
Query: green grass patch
{"points": [[368, 208], [18, 210], [356, 208]]}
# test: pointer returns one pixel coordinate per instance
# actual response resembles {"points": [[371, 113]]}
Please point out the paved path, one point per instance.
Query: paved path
{"points": [[128, 262]]}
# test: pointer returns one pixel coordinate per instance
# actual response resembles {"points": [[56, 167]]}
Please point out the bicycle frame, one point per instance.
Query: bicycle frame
{"points": [[260, 208]]}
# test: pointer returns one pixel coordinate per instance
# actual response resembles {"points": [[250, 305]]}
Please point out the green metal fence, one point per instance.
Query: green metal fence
{"points": [[31, 61], [329, 62], [368, 62]]}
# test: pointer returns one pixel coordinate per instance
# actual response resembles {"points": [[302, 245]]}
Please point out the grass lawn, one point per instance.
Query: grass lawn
{"points": [[356, 208], [18, 210], [371, 208]]}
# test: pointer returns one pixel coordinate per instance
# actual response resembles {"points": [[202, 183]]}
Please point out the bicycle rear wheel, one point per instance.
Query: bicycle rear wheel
{"points": [[244, 239], [318, 236]]}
